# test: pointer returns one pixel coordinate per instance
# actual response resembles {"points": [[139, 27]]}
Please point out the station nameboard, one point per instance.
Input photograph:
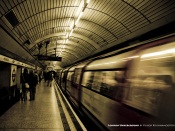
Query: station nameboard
{"points": [[49, 58], [14, 62]]}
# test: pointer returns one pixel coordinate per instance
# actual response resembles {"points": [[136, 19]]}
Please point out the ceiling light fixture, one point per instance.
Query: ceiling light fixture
{"points": [[74, 23], [87, 1], [78, 18]]}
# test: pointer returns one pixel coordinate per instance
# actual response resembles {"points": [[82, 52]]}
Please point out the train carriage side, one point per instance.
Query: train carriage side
{"points": [[63, 79], [73, 82], [70, 89], [133, 88], [69, 80], [151, 84], [102, 90], [58, 77]]}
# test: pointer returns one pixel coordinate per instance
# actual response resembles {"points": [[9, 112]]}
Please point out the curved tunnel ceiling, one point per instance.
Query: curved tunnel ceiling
{"points": [[103, 24]]}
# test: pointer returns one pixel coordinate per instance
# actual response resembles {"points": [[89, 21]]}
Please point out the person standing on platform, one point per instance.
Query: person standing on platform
{"points": [[45, 74], [24, 81], [40, 76], [50, 78], [33, 81]]}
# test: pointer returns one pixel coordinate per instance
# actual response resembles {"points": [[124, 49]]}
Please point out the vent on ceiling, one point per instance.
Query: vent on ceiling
{"points": [[12, 19], [27, 42]]}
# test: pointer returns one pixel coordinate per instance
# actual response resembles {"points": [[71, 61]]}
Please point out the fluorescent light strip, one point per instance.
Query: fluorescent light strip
{"points": [[66, 40], [158, 53], [72, 24], [87, 1], [67, 35], [78, 18], [121, 60], [157, 58], [71, 32], [79, 8]]}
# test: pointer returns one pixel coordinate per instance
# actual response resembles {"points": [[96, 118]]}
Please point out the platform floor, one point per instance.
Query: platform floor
{"points": [[46, 112]]}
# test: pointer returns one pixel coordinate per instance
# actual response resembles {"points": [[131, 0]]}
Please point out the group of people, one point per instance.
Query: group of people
{"points": [[29, 82]]}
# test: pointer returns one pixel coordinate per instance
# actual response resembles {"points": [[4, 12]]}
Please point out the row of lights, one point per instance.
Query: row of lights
{"points": [[74, 23]]}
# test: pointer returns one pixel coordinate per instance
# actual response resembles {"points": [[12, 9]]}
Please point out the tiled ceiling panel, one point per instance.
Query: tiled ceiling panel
{"points": [[75, 35]]}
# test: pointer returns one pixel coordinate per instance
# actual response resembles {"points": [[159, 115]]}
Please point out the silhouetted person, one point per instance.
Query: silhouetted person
{"points": [[32, 83], [24, 79], [40, 76], [50, 78], [45, 74]]}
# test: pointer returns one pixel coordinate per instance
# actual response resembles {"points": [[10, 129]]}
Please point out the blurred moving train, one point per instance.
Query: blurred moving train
{"points": [[132, 90]]}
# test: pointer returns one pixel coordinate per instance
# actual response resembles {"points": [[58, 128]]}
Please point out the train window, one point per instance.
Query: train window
{"points": [[62, 74], [77, 74], [69, 76], [147, 91], [88, 79], [112, 84], [108, 83], [97, 80]]}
